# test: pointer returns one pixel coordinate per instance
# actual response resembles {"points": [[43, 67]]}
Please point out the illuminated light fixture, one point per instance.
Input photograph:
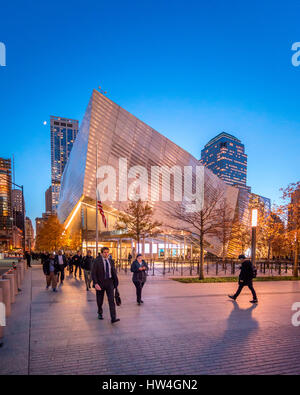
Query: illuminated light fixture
{"points": [[254, 217], [73, 215]]}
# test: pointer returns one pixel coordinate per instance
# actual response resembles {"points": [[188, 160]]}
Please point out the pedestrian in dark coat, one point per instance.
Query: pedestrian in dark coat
{"points": [[247, 273], [61, 261], [27, 256], [87, 264], [50, 269], [77, 261], [139, 277]]}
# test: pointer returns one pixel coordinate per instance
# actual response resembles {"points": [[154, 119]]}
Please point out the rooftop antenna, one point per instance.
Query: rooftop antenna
{"points": [[102, 91]]}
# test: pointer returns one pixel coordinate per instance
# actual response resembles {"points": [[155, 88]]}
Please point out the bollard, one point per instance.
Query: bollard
{"points": [[15, 273], [21, 264], [5, 286], [1, 327], [19, 276], [11, 278]]}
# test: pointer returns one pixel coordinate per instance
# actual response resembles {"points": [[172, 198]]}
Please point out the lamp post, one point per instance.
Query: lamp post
{"points": [[253, 241]]}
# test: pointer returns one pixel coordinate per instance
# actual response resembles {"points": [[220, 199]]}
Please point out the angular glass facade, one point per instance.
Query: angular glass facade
{"points": [[119, 134]]}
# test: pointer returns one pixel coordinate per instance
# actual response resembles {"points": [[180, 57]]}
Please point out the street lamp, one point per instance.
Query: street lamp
{"points": [[253, 242]]}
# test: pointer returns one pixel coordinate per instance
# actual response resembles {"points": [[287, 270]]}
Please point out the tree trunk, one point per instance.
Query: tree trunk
{"points": [[201, 271], [295, 271]]}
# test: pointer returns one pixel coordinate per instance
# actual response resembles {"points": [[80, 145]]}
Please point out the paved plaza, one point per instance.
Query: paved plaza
{"points": [[180, 329]]}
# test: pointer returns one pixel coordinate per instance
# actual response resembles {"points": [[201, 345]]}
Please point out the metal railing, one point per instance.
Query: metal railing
{"points": [[184, 268]]}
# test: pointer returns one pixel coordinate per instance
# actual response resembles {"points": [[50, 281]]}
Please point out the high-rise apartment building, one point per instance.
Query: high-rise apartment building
{"points": [[29, 234], [18, 207], [225, 156], [63, 134], [48, 200]]}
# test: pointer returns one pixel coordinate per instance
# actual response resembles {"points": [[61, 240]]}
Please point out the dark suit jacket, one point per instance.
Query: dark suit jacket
{"points": [[57, 262], [139, 275], [98, 272]]}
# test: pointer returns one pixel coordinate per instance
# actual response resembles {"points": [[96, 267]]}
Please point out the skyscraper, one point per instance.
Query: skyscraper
{"points": [[63, 134], [18, 208], [48, 200], [29, 234], [225, 156], [5, 203]]}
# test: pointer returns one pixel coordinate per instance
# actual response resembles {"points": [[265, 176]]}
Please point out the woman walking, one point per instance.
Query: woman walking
{"points": [[139, 267]]}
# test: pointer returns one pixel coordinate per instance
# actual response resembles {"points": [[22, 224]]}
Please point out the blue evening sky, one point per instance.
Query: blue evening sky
{"points": [[190, 69]]}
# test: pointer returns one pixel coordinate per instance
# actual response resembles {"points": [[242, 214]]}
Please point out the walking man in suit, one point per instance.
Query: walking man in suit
{"points": [[105, 279]]}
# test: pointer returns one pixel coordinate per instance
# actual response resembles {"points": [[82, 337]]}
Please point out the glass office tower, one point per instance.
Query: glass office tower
{"points": [[225, 156], [63, 134]]}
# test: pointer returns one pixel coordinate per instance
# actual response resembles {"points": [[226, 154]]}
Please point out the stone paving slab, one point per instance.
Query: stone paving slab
{"points": [[180, 329]]}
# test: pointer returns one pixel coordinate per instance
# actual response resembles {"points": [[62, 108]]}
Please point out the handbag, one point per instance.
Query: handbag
{"points": [[117, 298]]}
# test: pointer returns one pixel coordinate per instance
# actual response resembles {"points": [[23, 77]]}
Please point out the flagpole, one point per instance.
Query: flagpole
{"points": [[96, 202]]}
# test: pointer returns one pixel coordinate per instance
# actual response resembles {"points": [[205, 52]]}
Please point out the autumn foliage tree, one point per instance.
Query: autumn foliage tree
{"points": [[51, 236], [241, 235], [290, 212]]}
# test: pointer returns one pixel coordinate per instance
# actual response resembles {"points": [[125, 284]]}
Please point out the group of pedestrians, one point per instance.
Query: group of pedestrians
{"points": [[102, 272], [54, 266]]}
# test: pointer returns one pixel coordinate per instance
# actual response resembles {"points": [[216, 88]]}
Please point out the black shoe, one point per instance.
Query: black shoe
{"points": [[47, 286], [87, 289], [138, 303], [142, 301], [100, 317], [231, 297], [54, 290], [254, 301], [115, 320]]}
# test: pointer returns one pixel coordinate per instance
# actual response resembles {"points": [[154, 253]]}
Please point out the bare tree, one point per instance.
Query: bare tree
{"points": [[137, 221], [224, 224], [201, 223]]}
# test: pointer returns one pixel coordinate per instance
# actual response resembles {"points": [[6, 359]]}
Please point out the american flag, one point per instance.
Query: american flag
{"points": [[100, 208]]}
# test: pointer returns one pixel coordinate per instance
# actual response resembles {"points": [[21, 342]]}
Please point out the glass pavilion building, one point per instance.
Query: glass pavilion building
{"points": [[115, 136]]}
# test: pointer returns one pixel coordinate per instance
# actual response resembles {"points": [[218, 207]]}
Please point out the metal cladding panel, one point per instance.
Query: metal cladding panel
{"points": [[74, 173], [119, 134]]}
